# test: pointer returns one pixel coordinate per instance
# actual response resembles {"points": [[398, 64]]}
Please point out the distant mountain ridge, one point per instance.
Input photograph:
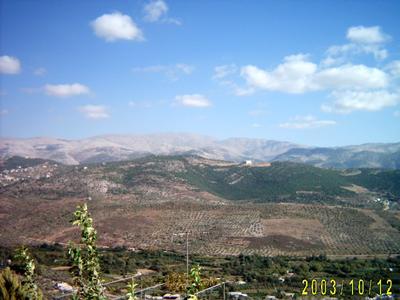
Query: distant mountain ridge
{"points": [[125, 147], [385, 156]]}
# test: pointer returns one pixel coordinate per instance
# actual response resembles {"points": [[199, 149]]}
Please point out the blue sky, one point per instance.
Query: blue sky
{"points": [[313, 72]]}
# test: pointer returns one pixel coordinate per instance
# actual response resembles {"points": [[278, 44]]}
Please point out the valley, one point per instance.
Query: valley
{"points": [[226, 208]]}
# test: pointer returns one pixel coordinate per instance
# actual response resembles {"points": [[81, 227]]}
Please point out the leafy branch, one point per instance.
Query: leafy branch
{"points": [[85, 260]]}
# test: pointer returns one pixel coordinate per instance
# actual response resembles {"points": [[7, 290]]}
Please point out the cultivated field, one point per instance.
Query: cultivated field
{"points": [[215, 229]]}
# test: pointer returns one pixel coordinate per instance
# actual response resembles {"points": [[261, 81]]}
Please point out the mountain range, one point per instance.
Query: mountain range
{"points": [[107, 148]]}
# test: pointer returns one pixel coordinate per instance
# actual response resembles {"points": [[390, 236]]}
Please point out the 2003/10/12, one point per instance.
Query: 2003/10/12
{"points": [[358, 287]]}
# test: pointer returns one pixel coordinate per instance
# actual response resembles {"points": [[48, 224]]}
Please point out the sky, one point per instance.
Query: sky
{"points": [[323, 73]]}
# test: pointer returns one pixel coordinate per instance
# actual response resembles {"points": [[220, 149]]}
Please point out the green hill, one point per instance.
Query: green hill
{"points": [[280, 181]]}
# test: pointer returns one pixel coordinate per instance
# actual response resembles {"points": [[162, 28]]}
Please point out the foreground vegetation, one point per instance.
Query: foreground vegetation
{"points": [[262, 275], [85, 269]]}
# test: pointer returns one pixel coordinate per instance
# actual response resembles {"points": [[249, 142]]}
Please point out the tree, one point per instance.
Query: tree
{"points": [[85, 260]]}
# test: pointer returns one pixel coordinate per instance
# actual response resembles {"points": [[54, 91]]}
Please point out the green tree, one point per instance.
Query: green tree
{"points": [[85, 260]]}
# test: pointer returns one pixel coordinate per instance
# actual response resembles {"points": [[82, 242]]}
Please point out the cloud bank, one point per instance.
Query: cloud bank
{"points": [[351, 87]]}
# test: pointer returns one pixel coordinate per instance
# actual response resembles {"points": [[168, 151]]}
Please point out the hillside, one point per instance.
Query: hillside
{"points": [[162, 177], [279, 209], [109, 148]]}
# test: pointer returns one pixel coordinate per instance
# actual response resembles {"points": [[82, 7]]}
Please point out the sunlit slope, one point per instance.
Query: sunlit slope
{"points": [[166, 176]]}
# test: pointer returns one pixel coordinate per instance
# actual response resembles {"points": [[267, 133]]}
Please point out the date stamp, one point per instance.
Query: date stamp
{"points": [[354, 287]]}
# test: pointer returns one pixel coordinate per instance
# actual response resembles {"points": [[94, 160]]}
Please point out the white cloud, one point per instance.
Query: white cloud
{"points": [[66, 90], [352, 86], [294, 75], [116, 26], [352, 77], [394, 68], [9, 65], [298, 75], [154, 10], [220, 72], [94, 111], [340, 54], [363, 40], [40, 71], [348, 101], [223, 75], [187, 69], [367, 35], [193, 100], [306, 122], [173, 72]]}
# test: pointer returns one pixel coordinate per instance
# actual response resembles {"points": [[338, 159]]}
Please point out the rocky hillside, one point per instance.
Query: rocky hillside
{"points": [[125, 147], [187, 177]]}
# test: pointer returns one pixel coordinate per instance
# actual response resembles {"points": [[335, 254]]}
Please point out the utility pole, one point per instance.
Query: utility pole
{"points": [[187, 258], [187, 253]]}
